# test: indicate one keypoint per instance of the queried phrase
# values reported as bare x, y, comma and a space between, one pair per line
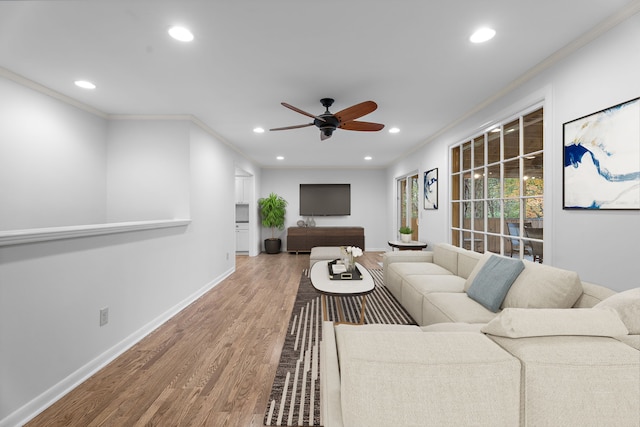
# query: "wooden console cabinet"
302, 239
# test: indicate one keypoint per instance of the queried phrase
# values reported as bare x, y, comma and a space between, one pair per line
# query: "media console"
302, 239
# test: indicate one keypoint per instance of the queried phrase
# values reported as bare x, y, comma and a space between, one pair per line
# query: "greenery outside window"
497, 189
408, 199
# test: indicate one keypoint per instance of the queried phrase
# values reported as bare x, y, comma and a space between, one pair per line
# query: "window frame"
470, 201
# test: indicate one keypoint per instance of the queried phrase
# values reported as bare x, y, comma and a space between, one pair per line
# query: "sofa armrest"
330, 406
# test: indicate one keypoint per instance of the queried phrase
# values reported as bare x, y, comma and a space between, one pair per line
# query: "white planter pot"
406, 238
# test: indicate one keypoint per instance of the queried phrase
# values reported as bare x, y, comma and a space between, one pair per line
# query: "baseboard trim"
59, 390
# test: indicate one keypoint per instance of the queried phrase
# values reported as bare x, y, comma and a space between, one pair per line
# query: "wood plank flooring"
211, 365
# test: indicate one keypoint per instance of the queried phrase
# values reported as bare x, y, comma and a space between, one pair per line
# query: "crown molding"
17, 78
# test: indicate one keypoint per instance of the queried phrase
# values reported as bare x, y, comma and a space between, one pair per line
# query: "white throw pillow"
541, 322
627, 304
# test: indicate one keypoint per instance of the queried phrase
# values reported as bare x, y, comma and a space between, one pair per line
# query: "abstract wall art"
602, 159
431, 189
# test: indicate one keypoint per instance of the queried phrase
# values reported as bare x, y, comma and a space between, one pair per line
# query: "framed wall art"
431, 189
602, 159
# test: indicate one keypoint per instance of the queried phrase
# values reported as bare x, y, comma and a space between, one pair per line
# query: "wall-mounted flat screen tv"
325, 199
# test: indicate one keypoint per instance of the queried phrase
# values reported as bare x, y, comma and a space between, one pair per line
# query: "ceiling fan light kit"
344, 119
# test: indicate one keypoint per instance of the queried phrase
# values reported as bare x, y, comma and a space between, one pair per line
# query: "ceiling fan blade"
361, 126
293, 127
297, 110
356, 111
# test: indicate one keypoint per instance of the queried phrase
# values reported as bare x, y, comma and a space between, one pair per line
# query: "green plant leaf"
272, 212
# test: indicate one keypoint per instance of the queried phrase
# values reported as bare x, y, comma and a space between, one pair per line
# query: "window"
497, 189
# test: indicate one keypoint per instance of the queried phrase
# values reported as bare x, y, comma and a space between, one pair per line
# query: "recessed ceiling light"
394, 130
368, 158
180, 33
84, 84
280, 157
482, 35
258, 130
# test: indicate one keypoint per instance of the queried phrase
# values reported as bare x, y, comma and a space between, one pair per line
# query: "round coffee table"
413, 245
321, 281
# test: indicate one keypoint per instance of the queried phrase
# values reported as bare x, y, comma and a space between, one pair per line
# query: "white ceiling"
411, 57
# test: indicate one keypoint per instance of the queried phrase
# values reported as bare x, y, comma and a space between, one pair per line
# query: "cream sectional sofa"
384, 375
573, 360
432, 285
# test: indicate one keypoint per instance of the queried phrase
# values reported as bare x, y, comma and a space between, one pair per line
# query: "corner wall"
600, 245
51, 292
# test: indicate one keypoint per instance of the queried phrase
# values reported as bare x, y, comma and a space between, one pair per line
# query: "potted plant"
272, 210
405, 234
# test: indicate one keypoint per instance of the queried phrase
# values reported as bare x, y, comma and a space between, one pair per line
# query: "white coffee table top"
322, 283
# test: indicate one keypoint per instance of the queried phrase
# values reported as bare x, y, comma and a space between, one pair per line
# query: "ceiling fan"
345, 119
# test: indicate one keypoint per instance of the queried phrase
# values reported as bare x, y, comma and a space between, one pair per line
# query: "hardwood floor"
211, 365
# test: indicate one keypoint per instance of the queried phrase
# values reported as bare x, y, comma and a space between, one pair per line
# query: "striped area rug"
295, 394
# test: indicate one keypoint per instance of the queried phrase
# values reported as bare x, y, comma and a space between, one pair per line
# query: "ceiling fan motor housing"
345, 119
329, 125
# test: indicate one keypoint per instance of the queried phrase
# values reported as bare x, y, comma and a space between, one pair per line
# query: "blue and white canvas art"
602, 159
431, 189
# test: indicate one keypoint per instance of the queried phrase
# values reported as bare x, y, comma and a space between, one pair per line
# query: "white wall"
212, 204
602, 246
52, 161
51, 292
147, 170
368, 195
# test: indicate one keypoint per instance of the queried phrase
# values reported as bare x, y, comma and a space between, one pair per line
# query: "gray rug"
295, 394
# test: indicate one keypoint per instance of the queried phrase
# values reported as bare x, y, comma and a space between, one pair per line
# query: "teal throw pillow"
493, 281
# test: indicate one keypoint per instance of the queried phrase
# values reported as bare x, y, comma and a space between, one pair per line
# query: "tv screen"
325, 199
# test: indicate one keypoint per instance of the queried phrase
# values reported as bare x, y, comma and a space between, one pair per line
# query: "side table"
413, 245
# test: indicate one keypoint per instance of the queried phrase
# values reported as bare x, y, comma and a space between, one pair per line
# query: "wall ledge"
33, 235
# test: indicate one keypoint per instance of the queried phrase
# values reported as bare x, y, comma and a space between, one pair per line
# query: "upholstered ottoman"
324, 253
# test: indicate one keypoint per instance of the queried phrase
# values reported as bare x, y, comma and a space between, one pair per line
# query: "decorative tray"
336, 271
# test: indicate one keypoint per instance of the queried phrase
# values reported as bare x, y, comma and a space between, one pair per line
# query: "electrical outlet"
104, 316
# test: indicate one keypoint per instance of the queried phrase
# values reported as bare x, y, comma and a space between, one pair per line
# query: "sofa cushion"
627, 305
493, 281
406, 268
414, 287
577, 380
632, 340
592, 294
397, 271
467, 261
442, 307
446, 256
453, 327
404, 379
540, 322
543, 286
426, 283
